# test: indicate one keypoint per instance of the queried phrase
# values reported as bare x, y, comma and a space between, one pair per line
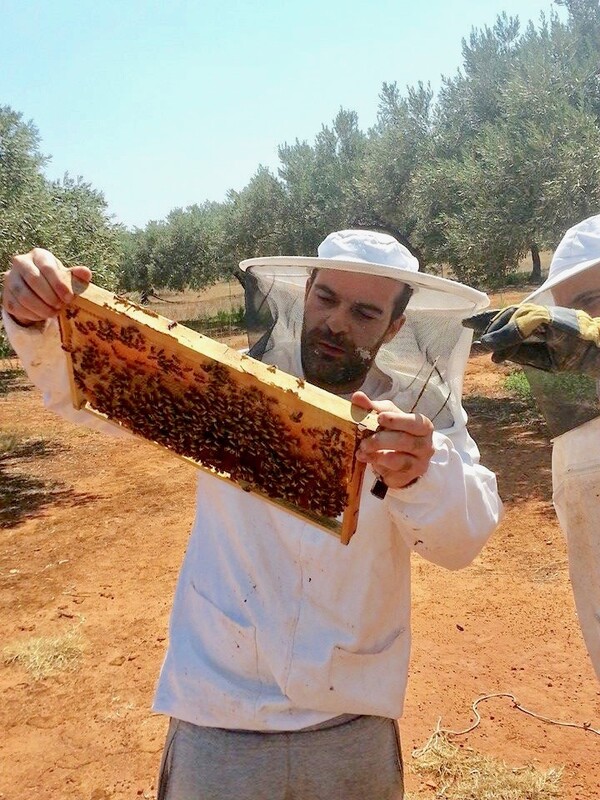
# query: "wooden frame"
244, 421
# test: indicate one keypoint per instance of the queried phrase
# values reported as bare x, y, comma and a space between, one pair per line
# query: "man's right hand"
38, 286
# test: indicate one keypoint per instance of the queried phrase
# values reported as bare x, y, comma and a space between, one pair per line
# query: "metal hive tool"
268, 432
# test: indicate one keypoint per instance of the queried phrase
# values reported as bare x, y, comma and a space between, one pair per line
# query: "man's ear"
394, 327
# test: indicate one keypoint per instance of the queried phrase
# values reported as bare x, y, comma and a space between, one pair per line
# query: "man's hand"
38, 286
550, 338
402, 448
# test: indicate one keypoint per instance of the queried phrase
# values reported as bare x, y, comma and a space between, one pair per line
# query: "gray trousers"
355, 760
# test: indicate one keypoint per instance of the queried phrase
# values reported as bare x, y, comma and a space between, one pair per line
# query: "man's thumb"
83, 273
361, 400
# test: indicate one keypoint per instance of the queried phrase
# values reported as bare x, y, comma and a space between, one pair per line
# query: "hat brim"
430, 291
563, 276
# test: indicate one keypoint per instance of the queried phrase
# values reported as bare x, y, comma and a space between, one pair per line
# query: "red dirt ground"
92, 533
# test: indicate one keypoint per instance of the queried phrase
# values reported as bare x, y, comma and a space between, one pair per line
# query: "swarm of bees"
264, 430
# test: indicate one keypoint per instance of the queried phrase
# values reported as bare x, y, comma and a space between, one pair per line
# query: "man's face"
347, 317
581, 291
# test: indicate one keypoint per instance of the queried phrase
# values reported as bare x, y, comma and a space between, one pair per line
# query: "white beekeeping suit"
275, 626
574, 281
576, 495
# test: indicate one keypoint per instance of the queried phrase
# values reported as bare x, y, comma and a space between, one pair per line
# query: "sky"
164, 104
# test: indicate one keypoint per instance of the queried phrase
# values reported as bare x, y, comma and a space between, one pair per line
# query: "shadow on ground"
23, 496
513, 440
13, 380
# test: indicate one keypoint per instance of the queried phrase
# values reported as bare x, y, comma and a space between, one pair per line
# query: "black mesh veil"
567, 400
421, 368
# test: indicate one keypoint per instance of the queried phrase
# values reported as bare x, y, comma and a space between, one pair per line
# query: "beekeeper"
288, 653
556, 332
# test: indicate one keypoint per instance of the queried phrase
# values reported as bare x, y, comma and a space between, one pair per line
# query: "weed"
517, 384
8, 444
46, 655
465, 774
233, 318
6, 350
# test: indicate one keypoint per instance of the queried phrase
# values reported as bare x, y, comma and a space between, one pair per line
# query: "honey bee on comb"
264, 430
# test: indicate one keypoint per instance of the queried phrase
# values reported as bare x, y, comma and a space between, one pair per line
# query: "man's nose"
338, 320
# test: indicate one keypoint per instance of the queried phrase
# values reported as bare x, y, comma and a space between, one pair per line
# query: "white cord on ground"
439, 731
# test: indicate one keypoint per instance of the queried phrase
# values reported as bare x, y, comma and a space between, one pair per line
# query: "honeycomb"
245, 421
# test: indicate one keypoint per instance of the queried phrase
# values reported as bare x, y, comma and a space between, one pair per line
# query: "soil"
92, 534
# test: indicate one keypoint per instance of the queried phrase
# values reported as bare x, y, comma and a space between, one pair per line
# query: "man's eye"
326, 299
364, 315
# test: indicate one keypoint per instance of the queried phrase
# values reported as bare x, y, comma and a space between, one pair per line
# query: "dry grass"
46, 655
550, 571
223, 297
458, 774
8, 443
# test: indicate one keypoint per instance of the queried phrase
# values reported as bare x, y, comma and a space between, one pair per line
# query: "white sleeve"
448, 515
43, 359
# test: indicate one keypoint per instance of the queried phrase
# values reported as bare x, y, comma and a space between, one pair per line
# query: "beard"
345, 366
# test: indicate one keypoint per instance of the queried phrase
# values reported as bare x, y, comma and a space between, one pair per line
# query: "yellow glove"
550, 338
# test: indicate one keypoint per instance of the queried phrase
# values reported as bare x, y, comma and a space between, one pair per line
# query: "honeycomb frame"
250, 423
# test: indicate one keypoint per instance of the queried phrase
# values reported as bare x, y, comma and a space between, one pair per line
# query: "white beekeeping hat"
432, 346
578, 250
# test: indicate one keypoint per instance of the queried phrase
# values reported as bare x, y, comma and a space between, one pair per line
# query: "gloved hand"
550, 338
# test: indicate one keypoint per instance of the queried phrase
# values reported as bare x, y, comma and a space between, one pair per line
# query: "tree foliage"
513, 160
498, 164
68, 216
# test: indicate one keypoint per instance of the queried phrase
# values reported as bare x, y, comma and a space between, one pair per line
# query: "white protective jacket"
576, 488
275, 625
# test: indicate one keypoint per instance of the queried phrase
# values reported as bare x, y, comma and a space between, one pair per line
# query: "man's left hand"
402, 448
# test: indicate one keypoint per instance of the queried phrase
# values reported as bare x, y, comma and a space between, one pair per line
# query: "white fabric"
576, 486
368, 247
578, 250
275, 625
576, 454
